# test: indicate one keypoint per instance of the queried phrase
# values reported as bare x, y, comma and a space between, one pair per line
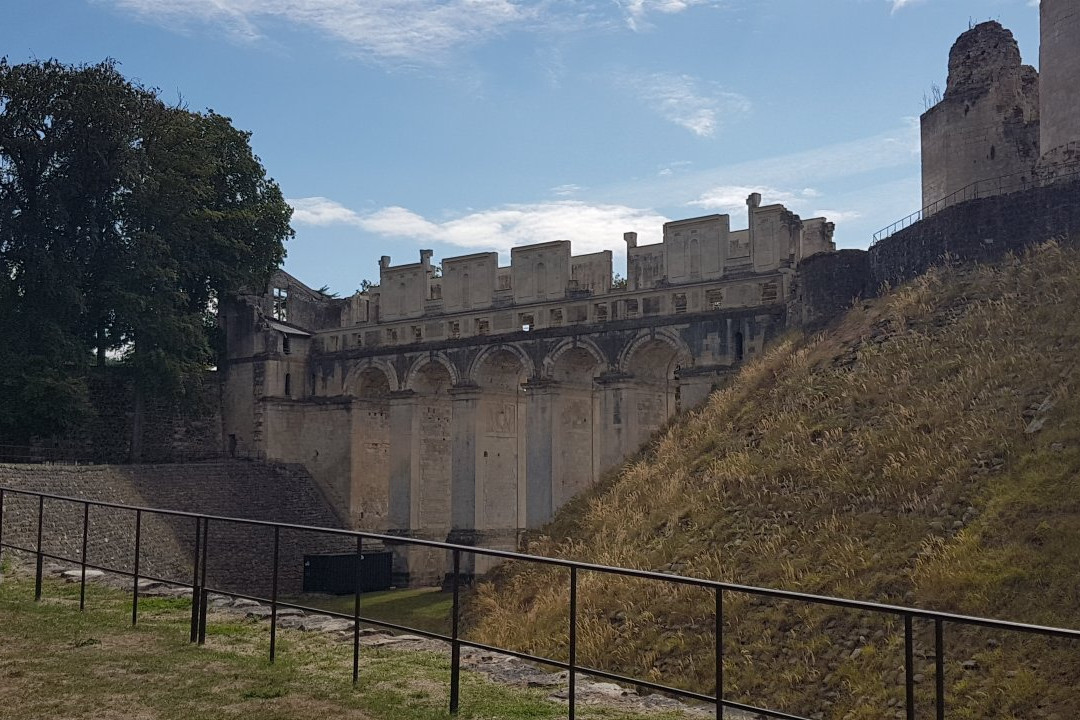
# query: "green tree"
122, 221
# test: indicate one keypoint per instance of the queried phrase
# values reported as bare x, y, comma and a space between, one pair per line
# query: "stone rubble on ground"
501, 668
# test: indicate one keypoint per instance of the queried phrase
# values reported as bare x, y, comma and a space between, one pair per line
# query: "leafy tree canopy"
122, 221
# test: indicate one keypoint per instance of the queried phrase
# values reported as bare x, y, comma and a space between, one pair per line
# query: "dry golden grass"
885, 460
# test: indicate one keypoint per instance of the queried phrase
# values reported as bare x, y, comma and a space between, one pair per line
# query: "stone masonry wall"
239, 557
980, 230
170, 433
827, 284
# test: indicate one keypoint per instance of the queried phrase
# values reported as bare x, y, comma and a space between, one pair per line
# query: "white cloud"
390, 30
839, 216
567, 190
321, 211
591, 227
901, 4
686, 101
638, 10
732, 198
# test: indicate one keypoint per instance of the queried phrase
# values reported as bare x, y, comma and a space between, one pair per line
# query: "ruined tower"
987, 124
1059, 60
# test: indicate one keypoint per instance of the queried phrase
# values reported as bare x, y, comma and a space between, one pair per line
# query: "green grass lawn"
57, 662
422, 609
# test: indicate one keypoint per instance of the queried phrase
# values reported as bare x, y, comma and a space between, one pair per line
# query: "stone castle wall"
1060, 80
170, 433
987, 124
239, 556
982, 230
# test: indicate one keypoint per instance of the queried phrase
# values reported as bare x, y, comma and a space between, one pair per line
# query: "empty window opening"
527, 321
715, 298
417, 333
286, 344
391, 335
281, 301
454, 329
739, 350
483, 326
601, 310
679, 301
556, 317
288, 385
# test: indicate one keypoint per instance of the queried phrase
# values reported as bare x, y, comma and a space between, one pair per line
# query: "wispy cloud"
390, 30
898, 5
565, 191
402, 31
637, 11
731, 199
698, 106
591, 227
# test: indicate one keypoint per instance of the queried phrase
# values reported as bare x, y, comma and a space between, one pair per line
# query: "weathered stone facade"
1002, 126
1059, 59
473, 404
987, 124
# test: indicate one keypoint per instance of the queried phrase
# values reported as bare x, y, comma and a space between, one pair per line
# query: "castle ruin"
471, 406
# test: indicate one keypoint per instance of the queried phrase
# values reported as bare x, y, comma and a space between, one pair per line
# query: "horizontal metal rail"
201, 591
990, 187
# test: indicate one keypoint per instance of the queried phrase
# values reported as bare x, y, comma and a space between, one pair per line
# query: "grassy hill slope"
925, 451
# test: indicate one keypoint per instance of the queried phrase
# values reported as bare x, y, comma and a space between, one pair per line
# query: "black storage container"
336, 574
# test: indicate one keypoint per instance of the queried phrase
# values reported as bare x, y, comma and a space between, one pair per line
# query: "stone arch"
430, 377
370, 378
653, 392
492, 362
370, 384
557, 360
666, 350
421, 363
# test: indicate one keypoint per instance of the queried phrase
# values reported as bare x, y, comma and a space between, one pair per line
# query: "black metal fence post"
273, 596
939, 666
40, 559
719, 653
455, 642
82, 556
135, 579
572, 671
196, 591
909, 669
356, 612
204, 593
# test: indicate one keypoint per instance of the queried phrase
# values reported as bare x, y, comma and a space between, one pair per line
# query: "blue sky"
474, 125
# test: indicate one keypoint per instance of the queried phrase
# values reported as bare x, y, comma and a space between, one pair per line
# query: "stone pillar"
465, 399
404, 462
539, 502
614, 429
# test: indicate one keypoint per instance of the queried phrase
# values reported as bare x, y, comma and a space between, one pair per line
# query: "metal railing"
201, 591
990, 187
